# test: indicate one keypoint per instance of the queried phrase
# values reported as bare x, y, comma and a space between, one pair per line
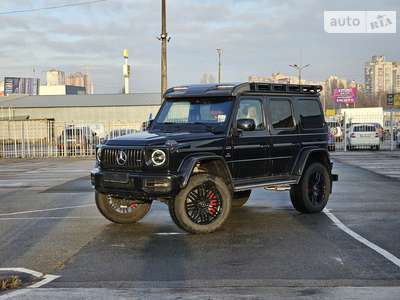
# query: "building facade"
382, 76
102, 113
61, 90
55, 77
81, 80
21, 86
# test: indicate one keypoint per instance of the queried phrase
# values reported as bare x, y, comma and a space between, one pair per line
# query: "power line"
10, 12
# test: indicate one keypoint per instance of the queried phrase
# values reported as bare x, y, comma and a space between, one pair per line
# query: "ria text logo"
360, 21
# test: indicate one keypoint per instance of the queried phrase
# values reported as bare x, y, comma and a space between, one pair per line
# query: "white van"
363, 136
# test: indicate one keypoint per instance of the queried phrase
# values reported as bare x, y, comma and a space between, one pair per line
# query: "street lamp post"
299, 68
219, 51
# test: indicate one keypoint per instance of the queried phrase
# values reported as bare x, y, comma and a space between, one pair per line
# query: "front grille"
134, 159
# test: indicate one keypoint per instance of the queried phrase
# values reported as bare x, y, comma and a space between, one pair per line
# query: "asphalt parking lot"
49, 223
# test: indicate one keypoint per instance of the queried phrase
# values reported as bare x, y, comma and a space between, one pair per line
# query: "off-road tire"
172, 214
300, 194
240, 198
178, 206
111, 214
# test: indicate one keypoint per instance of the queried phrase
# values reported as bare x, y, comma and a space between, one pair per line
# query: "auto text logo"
360, 21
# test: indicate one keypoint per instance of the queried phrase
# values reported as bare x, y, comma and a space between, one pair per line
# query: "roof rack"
286, 88
234, 89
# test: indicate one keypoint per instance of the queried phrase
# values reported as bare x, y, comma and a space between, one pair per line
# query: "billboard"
396, 102
393, 100
25, 86
345, 96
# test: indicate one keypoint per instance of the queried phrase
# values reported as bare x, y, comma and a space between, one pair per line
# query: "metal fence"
48, 138
354, 132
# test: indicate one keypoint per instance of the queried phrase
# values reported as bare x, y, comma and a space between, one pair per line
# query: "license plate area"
116, 177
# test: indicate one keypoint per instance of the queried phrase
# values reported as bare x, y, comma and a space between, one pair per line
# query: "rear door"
284, 132
312, 126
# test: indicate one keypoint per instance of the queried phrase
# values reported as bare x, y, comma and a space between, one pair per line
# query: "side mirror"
147, 125
246, 124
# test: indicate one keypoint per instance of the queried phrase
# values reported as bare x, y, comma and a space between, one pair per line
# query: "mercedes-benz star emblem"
121, 158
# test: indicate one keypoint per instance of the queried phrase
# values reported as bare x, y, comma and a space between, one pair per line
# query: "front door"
250, 148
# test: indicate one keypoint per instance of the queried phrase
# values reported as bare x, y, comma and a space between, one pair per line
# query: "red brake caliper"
134, 205
212, 207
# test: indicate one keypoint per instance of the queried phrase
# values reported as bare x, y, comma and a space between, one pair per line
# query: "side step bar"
277, 185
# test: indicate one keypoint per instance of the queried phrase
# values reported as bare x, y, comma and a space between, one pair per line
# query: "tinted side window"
310, 114
252, 109
281, 114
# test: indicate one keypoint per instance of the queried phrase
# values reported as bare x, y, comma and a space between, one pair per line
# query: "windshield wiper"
210, 128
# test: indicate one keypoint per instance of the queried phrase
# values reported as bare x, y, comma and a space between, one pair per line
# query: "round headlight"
158, 157
98, 154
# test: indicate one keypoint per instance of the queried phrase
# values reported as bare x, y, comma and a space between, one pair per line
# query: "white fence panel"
47, 138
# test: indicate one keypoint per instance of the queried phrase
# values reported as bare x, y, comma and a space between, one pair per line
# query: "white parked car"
363, 136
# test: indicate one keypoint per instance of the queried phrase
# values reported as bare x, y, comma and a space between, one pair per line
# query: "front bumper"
134, 185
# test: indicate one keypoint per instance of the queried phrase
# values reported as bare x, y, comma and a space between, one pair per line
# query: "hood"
146, 138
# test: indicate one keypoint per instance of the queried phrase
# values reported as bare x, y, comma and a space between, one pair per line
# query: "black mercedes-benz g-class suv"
209, 145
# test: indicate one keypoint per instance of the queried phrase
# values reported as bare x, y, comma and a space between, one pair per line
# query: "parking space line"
45, 279
389, 256
51, 218
45, 210
23, 270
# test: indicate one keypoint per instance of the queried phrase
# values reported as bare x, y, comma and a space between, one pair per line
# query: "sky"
259, 37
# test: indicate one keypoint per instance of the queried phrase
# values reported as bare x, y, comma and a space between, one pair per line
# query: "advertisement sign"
390, 99
345, 96
396, 102
393, 100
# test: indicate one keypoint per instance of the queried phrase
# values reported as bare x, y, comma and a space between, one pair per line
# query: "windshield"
194, 114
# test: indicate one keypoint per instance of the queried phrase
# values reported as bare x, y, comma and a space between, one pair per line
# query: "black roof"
234, 89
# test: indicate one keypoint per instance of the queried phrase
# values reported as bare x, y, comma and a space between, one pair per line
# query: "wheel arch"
309, 155
214, 164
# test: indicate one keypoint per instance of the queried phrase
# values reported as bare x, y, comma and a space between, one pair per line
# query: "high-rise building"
21, 86
80, 79
334, 82
396, 77
381, 76
55, 77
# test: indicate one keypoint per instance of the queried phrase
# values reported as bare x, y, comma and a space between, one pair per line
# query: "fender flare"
303, 158
186, 168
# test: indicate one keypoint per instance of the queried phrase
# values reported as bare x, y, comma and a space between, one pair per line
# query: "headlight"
158, 158
98, 154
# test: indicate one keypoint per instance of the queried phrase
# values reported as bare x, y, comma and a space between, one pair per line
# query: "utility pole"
219, 51
299, 68
164, 41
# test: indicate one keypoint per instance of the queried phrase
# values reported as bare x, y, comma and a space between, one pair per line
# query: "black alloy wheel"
120, 210
204, 203
316, 188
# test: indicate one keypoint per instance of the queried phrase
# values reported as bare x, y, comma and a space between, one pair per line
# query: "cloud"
258, 37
